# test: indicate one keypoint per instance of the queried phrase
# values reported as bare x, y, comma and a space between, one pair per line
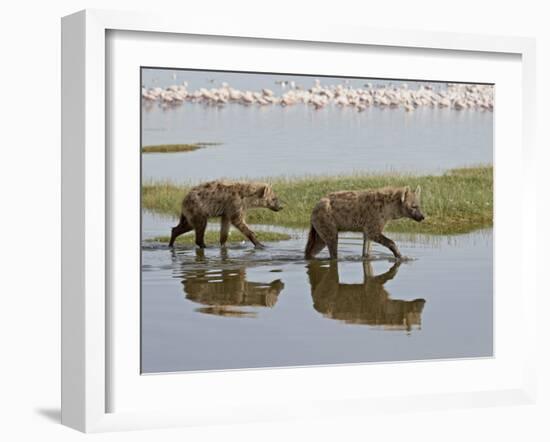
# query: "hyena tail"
314, 243
180, 229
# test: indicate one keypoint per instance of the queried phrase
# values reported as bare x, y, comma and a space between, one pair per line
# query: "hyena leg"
318, 245
314, 243
366, 245
180, 229
386, 242
199, 223
240, 224
329, 234
224, 230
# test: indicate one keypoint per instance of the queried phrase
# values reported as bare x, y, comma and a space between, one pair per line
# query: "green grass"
459, 201
170, 148
213, 237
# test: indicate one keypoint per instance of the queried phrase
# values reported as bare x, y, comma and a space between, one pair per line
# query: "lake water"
299, 140
196, 79
264, 142
243, 308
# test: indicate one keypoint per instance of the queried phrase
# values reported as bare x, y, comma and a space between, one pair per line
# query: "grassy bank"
170, 148
213, 237
458, 201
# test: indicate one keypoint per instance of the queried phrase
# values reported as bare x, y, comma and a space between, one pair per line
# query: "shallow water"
244, 308
260, 142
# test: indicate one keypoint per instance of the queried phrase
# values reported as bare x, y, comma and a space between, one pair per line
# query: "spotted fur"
228, 200
360, 211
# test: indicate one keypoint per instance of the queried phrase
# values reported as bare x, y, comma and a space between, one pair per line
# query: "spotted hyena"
228, 200
360, 211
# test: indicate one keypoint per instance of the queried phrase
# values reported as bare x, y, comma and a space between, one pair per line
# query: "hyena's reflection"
224, 292
366, 303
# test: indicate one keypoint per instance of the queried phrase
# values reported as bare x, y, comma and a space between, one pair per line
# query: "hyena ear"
418, 191
262, 192
404, 194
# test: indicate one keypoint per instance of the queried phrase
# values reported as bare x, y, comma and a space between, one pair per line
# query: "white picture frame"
85, 201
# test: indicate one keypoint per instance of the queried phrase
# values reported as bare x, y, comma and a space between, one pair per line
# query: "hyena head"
410, 204
267, 198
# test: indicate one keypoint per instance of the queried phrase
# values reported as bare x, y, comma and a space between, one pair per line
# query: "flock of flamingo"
453, 96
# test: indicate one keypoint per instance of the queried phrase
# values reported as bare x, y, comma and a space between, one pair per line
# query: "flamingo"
454, 96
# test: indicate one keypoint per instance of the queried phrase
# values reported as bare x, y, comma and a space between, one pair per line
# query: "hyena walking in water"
227, 199
360, 211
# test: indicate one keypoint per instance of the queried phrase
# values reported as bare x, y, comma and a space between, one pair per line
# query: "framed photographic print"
297, 169
262, 224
